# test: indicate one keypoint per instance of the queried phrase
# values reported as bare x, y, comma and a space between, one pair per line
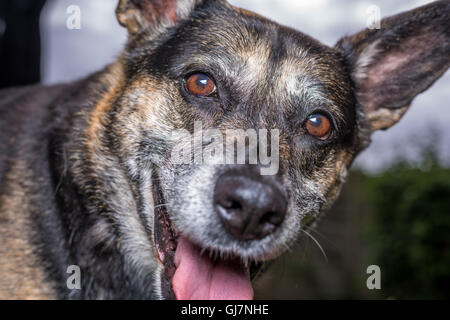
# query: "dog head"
203, 75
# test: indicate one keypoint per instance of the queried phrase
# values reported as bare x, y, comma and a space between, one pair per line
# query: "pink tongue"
199, 278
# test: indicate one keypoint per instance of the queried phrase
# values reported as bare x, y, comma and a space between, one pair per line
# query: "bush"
410, 230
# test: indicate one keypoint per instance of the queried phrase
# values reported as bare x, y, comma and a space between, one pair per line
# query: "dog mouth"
192, 272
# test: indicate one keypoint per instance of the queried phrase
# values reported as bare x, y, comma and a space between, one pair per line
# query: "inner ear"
154, 10
139, 15
395, 76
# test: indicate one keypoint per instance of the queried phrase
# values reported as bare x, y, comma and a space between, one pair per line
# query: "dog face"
192, 66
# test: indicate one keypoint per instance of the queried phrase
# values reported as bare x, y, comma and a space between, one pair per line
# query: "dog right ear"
391, 65
140, 15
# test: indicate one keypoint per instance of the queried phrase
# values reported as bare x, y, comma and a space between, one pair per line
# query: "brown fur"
23, 273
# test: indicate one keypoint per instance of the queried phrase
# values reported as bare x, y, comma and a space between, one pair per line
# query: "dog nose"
250, 206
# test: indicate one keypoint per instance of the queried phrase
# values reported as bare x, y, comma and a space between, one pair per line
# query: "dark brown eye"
319, 126
200, 84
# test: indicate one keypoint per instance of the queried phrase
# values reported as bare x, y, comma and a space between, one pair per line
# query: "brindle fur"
77, 160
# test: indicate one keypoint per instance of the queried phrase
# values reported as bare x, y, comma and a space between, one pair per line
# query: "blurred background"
394, 211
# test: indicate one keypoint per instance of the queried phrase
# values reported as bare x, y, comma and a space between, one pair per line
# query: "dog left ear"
139, 15
392, 65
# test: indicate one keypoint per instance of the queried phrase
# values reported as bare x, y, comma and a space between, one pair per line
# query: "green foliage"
410, 230
398, 219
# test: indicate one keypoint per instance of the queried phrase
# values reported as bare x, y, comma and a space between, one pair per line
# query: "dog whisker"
325, 238
317, 243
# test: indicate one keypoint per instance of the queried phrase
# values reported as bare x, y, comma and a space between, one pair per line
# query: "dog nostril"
268, 217
249, 207
232, 205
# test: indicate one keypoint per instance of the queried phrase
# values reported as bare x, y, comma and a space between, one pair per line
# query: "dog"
87, 171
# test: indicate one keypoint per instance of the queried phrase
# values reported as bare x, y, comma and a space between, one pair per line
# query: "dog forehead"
255, 48
255, 59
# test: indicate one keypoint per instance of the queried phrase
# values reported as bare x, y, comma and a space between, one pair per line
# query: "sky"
73, 54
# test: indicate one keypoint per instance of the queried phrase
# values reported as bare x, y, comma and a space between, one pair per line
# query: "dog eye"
200, 84
319, 126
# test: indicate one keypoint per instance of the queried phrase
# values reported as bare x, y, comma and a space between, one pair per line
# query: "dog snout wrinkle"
249, 206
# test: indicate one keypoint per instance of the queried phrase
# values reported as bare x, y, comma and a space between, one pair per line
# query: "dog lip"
165, 239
